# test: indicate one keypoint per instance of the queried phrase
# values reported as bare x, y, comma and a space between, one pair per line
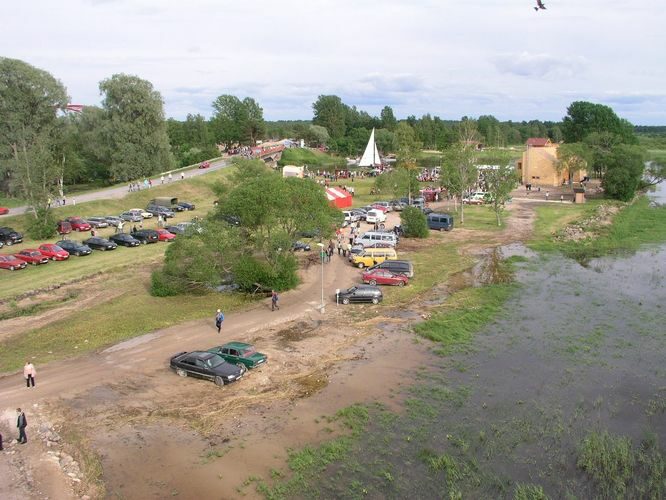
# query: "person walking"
29, 374
339, 247
21, 423
162, 179
1, 448
219, 318
170, 177
182, 176
274, 301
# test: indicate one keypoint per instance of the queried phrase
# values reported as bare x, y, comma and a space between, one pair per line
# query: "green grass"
635, 225
133, 313
463, 315
478, 218
311, 157
37, 307
11, 203
552, 218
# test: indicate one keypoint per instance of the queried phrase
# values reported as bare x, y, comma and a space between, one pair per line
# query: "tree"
253, 127
572, 158
459, 172
135, 131
316, 135
236, 121
584, 118
388, 118
330, 112
413, 222
29, 155
623, 172
401, 182
655, 172
500, 181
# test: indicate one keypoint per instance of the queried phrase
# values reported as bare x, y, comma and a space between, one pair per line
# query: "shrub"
43, 226
414, 223
163, 285
279, 276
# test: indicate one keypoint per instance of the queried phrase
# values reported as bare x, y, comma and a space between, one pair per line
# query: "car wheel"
360, 265
34, 263
181, 373
11, 268
375, 300
78, 254
442, 229
53, 258
9, 243
242, 367
345, 301
103, 249
219, 381
401, 283
372, 282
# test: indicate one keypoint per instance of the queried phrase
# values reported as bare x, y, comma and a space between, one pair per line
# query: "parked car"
360, 212
397, 205
131, 217
112, 220
78, 224
186, 205
53, 252
382, 205
143, 213
206, 365
375, 216
427, 210
32, 256
232, 220
74, 247
384, 277
97, 222
125, 240
240, 354
441, 222
165, 235
146, 236
97, 243
396, 267
371, 256
350, 216
477, 198
63, 227
204, 164
180, 228
360, 293
300, 245
160, 210
9, 237
4, 210
12, 263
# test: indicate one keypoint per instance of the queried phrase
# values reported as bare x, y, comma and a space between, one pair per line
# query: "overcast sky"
444, 57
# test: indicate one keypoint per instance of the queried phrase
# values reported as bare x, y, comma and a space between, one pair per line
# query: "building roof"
538, 141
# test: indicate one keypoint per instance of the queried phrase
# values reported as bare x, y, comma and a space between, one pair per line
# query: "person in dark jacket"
21, 423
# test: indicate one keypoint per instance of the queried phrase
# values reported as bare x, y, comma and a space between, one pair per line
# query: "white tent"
370, 156
293, 171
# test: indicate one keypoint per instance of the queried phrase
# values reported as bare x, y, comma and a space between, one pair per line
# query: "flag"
77, 108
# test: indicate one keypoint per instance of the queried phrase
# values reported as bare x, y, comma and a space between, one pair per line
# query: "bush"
163, 285
42, 227
414, 223
279, 276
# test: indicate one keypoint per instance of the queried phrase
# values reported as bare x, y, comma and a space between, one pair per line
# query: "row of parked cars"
221, 364
388, 272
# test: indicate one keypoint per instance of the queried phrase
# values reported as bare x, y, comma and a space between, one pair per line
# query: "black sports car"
124, 239
10, 237
98, 243
74, 247
206, 365
146, 235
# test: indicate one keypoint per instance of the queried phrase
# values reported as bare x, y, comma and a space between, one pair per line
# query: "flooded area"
577, 349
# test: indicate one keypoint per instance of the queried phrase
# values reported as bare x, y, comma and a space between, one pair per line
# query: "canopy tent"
338, 197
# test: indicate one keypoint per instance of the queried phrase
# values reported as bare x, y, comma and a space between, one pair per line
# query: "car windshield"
214, 361
249, 351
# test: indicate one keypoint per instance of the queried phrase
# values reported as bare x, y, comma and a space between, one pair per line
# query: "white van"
375, 216
372, 237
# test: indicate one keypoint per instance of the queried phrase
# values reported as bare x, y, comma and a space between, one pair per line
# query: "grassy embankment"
313, 158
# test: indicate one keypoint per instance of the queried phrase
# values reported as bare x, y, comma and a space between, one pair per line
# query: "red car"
10, 262
4, 210
384, 277
165, 235
32, 256
53, 252
380, 207
78, 224
204, 164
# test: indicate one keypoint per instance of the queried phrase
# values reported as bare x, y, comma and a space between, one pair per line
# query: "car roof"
237, 345
202, 355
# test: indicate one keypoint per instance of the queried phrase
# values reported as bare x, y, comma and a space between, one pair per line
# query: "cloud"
547, 66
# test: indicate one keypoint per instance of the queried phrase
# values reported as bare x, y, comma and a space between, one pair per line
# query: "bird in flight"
540, 5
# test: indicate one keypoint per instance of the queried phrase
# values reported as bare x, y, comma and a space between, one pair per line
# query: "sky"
447, 58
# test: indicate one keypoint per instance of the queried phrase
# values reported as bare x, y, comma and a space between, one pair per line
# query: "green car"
240, 353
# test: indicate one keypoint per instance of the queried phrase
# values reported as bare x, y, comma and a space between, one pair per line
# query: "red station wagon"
12, 263
78, 224
165, 235
32, 256
384, 277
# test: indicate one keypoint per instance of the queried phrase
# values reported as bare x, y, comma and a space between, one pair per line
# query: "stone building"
538, 165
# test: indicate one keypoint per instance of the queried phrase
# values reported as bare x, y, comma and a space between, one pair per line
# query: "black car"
186, 205
146, 236
360, 293
232, 220
124, 239
9, 237
180, 228
206, 365
98, 243
74, 247
97, 222
299, 245
159, 210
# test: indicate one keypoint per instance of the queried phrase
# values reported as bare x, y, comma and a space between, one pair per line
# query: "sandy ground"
158, 435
